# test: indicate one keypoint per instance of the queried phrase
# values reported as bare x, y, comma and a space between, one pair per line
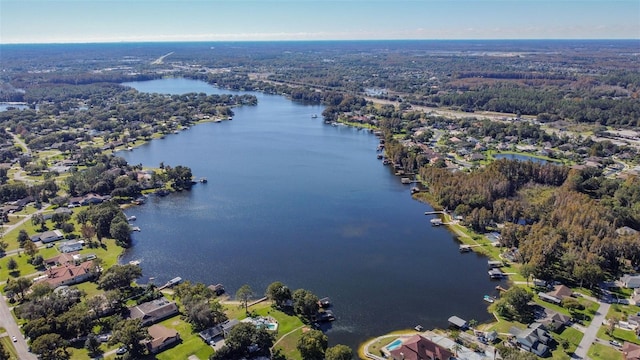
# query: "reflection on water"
290, 199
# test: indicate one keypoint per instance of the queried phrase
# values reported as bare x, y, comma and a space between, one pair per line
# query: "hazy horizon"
133, 21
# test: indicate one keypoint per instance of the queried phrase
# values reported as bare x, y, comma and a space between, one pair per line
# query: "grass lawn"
191, 343
622, 311
8, 344
619, 335
602, 352
90, 288
287, 346
376, 347
286, 324
572, 336
24, 268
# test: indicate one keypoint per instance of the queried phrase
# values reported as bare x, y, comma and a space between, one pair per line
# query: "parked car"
121, 350
615, 343
15, 339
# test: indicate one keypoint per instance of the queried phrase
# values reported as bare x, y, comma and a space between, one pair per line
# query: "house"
221, 330
630, 281
554, 320
161, 338
418, 347
60, 259
70, 246
68, 274
560, 292
48, 236
634, 320
631, 351
153, 311
549, 298
534, 339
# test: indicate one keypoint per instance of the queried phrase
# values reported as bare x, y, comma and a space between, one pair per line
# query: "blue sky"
61, 21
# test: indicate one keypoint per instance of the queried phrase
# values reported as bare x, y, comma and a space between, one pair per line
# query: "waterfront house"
153, 311
631, 351
534, 339
68, 274
221, 330
418, 347
161, 338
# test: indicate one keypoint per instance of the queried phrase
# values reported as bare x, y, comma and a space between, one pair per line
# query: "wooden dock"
435, 213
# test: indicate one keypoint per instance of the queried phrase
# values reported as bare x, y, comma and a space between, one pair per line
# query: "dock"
325, 302
496, 274
170, 283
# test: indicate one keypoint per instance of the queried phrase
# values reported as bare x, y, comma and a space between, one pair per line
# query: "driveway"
591, 331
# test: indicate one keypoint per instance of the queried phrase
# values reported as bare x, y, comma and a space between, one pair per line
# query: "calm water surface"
289, 198
521, 157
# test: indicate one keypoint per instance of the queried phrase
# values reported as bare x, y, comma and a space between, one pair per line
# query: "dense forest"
577, 81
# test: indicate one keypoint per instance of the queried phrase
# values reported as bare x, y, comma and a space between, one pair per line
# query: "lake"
292, 199
521, 157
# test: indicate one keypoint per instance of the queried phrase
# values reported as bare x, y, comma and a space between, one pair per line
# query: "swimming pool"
394, 345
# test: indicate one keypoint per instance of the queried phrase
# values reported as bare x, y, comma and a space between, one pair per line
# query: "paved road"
7, 322
590, 332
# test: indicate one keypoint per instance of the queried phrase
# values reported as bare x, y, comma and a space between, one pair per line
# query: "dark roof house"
221, 330
534, 339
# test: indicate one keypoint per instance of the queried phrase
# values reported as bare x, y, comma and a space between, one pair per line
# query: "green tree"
130, 334
312, 345
50, 347
240, 340
514, 303
22, 237
37, 219
119, 276
244, 294
121, 232
92, 345
527, 271
339, 352
4, 353
30, 248
305, 303
12, 264
18, 286
279, 293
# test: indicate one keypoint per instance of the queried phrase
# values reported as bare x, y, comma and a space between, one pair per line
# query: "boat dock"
170, 283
